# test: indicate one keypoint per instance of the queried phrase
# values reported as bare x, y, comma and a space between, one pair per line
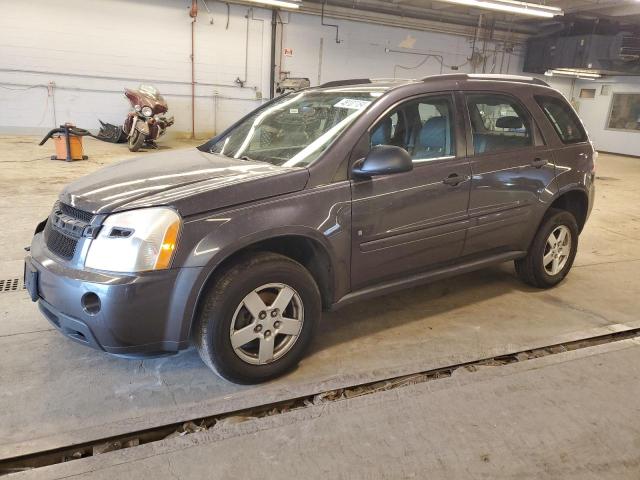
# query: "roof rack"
487, 76
360, 81
342, 83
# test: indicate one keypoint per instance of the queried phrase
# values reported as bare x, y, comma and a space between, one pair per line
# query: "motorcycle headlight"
135, 241
147, 112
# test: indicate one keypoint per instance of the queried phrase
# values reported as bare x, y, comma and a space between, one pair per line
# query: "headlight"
135, 241
147, 112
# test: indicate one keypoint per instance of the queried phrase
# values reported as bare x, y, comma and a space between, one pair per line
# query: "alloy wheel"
267, 323
557, 250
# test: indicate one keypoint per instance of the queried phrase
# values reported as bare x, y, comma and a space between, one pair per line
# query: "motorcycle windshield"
151, 92
147, 95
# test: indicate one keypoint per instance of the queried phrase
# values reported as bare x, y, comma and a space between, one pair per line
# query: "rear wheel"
136, 140
258, 318
552, 251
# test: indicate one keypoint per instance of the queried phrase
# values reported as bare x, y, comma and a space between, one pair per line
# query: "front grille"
60, 244
75, 212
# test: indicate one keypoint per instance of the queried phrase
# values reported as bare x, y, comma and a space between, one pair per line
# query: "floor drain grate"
10, 285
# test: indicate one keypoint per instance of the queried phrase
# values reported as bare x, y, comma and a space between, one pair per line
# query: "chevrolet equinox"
316, 199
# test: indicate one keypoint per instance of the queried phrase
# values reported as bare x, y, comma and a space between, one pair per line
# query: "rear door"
511, 167
407, 222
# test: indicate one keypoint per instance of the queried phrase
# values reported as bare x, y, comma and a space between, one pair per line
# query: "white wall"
595, 112
77, 43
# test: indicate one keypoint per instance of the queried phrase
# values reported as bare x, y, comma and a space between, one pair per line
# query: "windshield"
150, 90
296, 129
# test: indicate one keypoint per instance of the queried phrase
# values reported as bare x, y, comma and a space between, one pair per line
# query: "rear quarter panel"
574, 162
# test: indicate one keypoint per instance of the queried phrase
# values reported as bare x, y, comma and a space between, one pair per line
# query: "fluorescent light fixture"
511, 6
279, 3
572, 72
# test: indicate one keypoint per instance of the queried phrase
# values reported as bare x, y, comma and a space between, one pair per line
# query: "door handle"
454, 179
539, 162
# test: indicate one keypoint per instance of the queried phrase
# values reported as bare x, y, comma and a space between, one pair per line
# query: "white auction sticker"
352, 103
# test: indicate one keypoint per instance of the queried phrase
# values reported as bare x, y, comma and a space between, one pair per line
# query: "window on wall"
564, 120
423, 127
587, 93
624, 113
498, 123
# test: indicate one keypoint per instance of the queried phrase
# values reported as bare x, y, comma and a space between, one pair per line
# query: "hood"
189, 180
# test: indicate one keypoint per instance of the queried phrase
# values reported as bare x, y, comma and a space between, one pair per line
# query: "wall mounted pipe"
415, 67
322, 22
193, 13
123, 79
272, 59
242, 82
105, 90
437, 56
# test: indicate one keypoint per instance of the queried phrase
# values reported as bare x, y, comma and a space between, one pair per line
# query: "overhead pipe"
382, 14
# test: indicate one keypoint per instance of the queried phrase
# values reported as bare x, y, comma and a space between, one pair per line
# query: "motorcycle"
146, 122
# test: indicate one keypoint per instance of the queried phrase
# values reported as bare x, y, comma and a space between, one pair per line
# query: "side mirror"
383, 160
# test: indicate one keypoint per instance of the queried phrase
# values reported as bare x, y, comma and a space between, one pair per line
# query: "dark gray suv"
316, 199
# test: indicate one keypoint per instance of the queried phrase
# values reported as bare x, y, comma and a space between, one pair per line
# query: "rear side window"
497, 123
563, 119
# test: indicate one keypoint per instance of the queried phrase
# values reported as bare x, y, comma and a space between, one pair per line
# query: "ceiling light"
511, 6
572, 72
537, 6
279, 3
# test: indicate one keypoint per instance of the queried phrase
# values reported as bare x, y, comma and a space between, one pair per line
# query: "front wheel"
552, 251
136, 140
258, 318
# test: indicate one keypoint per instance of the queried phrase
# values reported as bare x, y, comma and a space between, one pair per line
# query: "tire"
225, 311
536, 269
136, 141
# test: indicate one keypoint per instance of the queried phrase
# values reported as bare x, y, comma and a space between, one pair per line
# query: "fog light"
90, 303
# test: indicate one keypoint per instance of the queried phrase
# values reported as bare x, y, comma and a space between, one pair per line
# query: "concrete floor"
567, 416
55, 392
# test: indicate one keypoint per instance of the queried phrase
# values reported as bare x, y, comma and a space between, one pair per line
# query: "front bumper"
139, 314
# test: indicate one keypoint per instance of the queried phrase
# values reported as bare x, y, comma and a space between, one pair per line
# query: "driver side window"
423, 127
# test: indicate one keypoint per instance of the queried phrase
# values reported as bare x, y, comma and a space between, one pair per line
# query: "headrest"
509, 122
433, 133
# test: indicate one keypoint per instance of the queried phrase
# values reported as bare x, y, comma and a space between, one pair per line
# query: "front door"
511, 169
408, 222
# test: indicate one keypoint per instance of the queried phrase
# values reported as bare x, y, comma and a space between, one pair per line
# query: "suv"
317, 199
